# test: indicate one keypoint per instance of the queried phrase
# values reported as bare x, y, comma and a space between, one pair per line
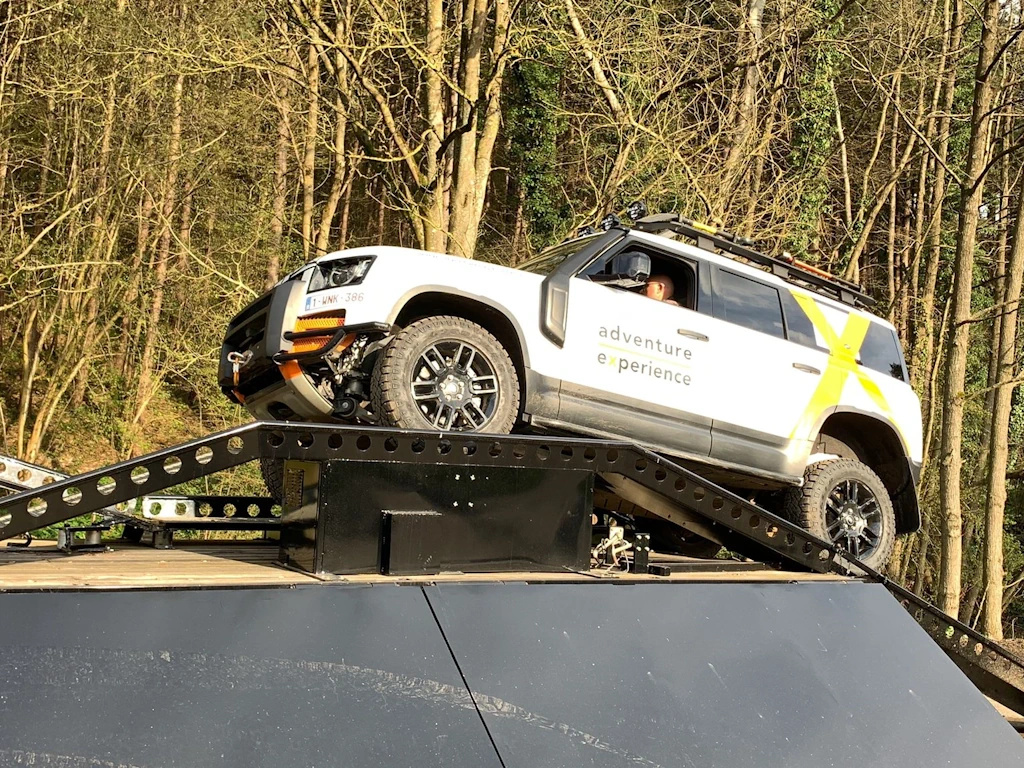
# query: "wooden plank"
229, 563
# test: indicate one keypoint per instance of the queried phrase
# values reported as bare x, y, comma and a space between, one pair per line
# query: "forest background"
163, 161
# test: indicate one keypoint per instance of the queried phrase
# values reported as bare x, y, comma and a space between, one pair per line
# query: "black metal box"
348, 517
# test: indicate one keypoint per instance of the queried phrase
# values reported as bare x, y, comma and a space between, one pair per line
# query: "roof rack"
788, 268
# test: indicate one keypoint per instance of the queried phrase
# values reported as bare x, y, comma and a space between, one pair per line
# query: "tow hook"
238, 361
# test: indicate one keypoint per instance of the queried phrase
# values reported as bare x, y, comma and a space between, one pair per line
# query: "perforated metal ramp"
486, 674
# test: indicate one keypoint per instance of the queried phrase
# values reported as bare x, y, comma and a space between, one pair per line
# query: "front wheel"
446, 373
843, 501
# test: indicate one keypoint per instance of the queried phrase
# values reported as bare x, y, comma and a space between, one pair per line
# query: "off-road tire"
390, 389
805, 506
273, 477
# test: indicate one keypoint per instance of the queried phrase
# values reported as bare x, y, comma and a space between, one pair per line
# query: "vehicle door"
636, 367
771, 363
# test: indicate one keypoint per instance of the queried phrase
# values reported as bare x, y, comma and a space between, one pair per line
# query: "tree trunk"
146, 384
312, 122
435, 237
958, 334
995, 502
746, 107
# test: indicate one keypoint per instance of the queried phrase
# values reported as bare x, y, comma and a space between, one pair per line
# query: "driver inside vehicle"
660, 288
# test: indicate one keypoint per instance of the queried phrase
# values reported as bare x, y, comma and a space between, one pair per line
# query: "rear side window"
749, 303
799, 327
881, 352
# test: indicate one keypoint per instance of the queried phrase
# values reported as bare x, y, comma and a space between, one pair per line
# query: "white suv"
767, 375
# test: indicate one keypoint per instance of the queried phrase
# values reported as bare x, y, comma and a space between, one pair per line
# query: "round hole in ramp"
444, 447
612, 456
363, 442
253, 510
172, 464
106, 485
155, 509
36, 506
641, 465
718, 502
139, 475
204, 454
230, 510
660, 475
3, 467
754, 521
390, 445
698, 493
205, 509
469, 449
180, 508
5, 519
24, 475
790, 539
71, 496
418, 446
566, 452
963, 641
519, 451
771, 530
808, 547
978, 648
495, 450
48, 479
235, 445
680, 484
276, 439
276, 510
543, 452
823, 555
305, 440
335, 441
589, 454
736, 512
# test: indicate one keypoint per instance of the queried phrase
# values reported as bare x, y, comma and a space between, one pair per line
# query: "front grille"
248, 328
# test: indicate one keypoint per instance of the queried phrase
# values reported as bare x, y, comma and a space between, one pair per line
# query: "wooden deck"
254, 563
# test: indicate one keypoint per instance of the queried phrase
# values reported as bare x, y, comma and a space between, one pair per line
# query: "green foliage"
534, 124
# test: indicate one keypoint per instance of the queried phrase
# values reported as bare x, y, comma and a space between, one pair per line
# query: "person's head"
659, 288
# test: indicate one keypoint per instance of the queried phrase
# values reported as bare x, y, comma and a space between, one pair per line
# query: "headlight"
335, 274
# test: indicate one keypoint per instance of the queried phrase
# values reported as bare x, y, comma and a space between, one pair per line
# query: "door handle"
807, 368
692, 335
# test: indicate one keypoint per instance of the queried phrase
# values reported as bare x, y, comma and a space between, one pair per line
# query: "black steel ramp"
475, 674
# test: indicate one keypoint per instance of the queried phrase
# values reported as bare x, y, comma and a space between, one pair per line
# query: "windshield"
545, 262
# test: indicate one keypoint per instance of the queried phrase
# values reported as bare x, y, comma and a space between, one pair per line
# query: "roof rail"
711, 238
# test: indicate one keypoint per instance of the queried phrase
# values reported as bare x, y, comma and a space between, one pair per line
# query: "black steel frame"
991, 667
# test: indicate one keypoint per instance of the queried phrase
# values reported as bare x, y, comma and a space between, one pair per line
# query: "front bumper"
281, 354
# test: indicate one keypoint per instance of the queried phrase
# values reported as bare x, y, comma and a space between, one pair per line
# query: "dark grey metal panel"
796, 675
484, 518
317, 676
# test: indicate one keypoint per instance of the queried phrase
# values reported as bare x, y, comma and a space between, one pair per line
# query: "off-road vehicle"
769, 376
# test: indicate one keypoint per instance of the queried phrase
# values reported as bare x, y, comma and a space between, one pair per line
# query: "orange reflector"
316, 323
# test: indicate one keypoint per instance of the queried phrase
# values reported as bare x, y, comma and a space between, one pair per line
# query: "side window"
677, 276
749, 303
881, 352
799, 327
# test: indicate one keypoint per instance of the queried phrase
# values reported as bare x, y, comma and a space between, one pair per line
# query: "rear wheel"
446, 373
843, 501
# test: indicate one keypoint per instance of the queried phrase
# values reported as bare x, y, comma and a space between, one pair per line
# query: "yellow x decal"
842, 362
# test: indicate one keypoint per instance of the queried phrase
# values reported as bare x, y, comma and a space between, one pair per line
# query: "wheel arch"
875, 442
433, 301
